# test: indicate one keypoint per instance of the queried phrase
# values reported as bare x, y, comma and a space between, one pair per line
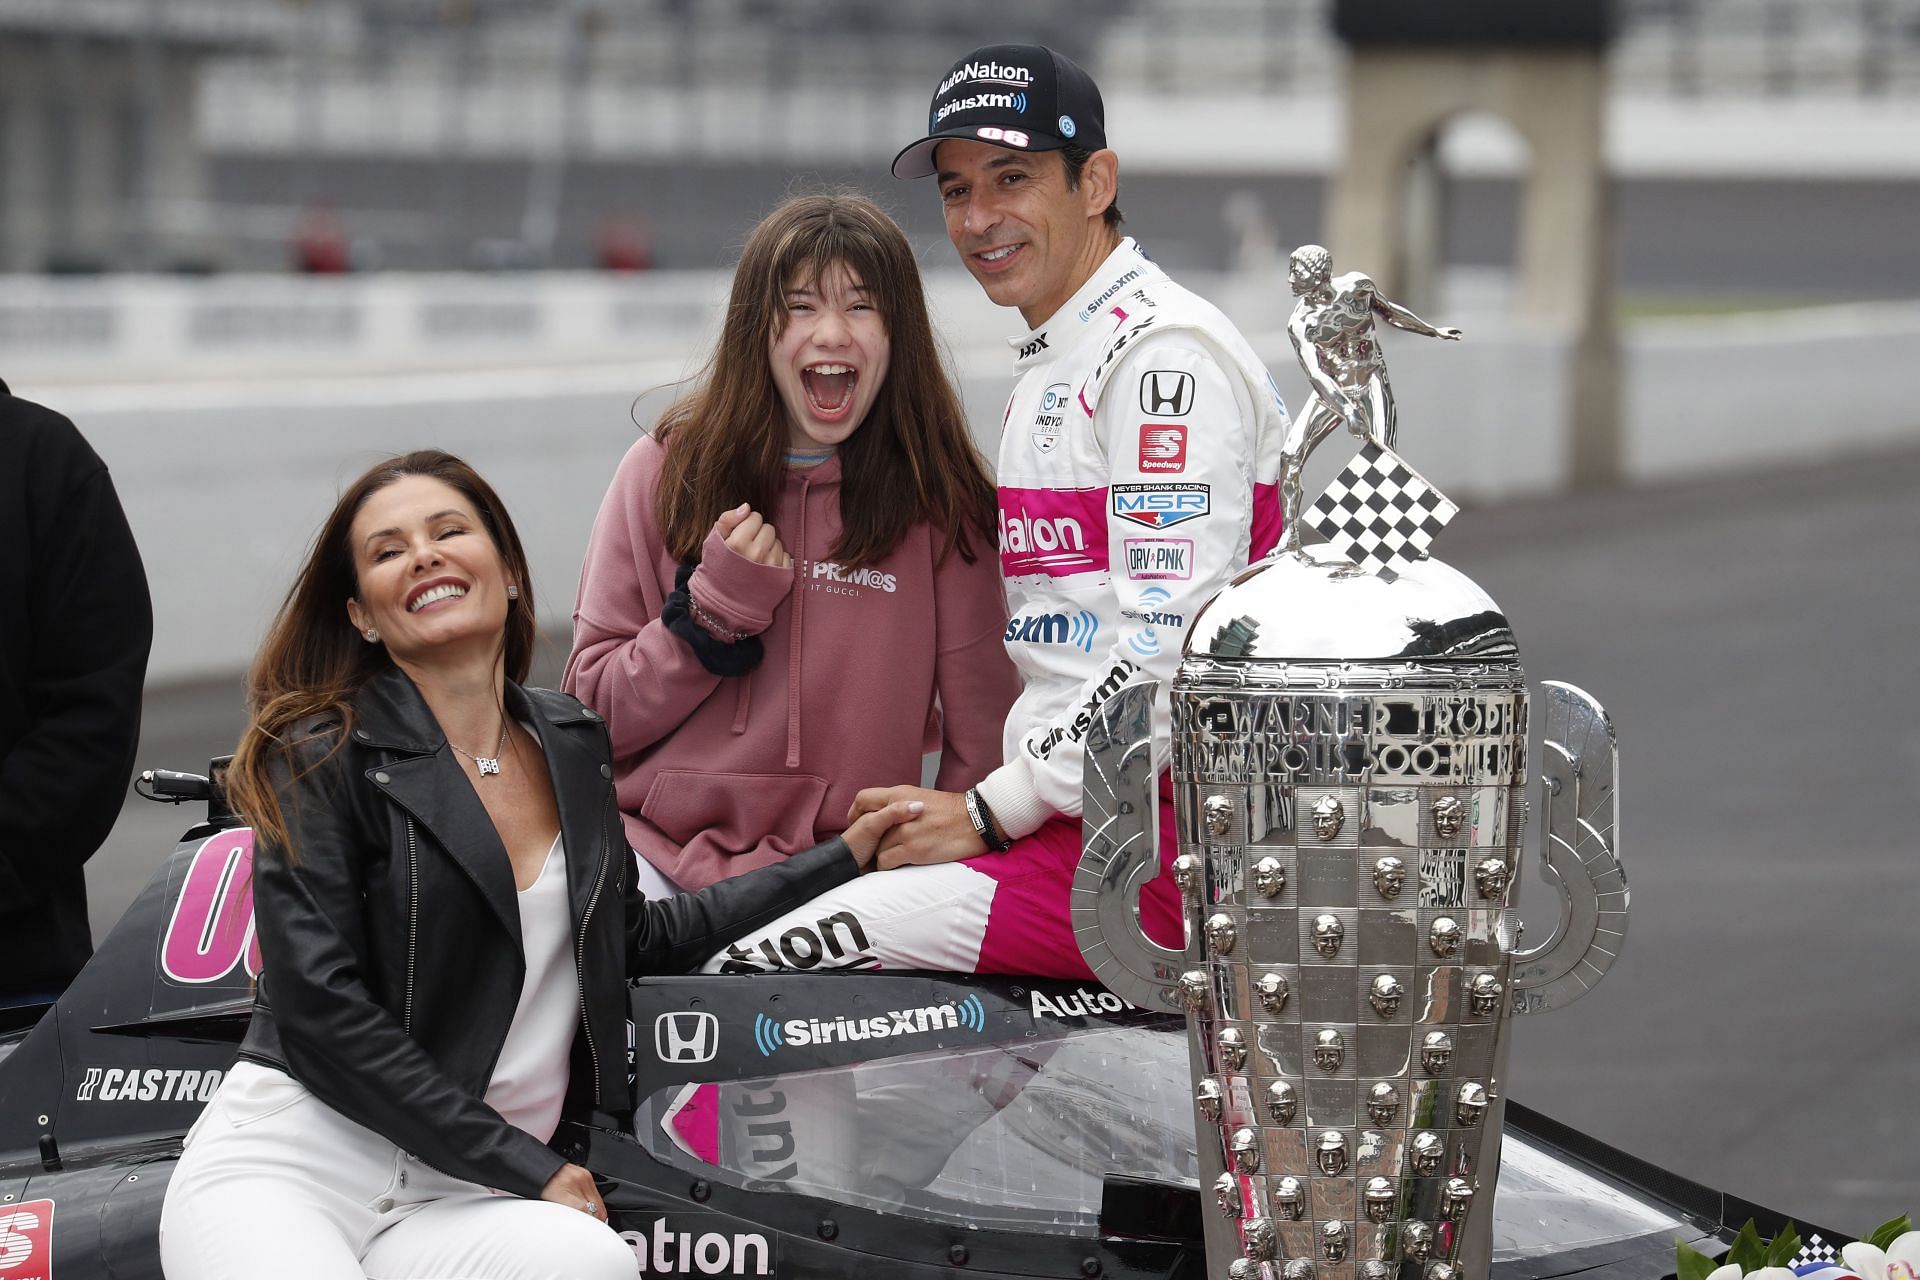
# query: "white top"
530, 1080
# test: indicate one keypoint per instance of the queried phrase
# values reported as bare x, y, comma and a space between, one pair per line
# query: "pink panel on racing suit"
1056, 532
1028, 929
1269, 520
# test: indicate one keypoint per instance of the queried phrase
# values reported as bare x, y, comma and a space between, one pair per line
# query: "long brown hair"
911, 460
313, 661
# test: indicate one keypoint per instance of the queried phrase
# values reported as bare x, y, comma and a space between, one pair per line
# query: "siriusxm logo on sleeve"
1076, 629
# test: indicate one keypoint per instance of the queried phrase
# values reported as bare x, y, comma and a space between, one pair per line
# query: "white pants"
275, 1182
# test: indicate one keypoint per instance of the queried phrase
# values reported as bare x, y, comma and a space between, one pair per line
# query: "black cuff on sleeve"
722, 659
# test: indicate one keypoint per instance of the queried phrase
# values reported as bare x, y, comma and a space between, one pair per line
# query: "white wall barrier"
231, 411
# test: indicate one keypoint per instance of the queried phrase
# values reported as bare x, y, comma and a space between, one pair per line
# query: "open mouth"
998, 259
830, 388
434, 593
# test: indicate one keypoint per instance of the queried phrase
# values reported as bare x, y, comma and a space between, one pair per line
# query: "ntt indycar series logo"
968, 1014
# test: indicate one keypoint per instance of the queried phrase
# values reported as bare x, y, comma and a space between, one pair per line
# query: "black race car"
804, 1125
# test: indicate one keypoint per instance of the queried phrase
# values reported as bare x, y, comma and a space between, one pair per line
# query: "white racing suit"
1138, 473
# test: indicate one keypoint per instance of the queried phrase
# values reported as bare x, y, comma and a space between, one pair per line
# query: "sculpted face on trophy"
1383, 1103
1455, 1199
1379, 1199
1490, 877
1258, 1239
1471, 1105
1374, 1269
1232, 1043
1426, 1153
1329, 1050
1218, 812
1243, 1269
1328, 934
1449, 815
1333, 1240
1297, 1269
1220, 933
1186, 873
1445, 936
1274, 990
1385, 993
1416, 1238
1483, 995
1245, 1146
1281, 1102
1193, 989
1207, 1094
1329, 815
1226, 1194
1330, 1153
1269, 877
1389, 876
1436, 1052
1290, 1198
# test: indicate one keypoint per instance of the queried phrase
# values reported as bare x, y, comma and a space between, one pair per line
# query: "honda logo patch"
686, 1037
1166, 393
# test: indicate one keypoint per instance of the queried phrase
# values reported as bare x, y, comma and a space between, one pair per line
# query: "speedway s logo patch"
26, 1240
675, 1246
1163, 447
686, 1037
966, 1014
1161, 506
153, 1084
1166, 393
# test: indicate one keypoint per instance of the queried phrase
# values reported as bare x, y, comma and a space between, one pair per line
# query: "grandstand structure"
452, 133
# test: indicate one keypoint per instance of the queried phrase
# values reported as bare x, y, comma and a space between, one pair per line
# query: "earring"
513, 592
372, 634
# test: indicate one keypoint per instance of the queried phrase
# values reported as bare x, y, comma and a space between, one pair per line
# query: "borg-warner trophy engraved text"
1349, 767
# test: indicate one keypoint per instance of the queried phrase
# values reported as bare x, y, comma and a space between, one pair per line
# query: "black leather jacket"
391, 948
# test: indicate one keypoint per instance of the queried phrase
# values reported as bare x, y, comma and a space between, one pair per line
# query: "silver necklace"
488, 764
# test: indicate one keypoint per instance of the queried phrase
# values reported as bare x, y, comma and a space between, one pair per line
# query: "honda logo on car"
770, 1035
666, 1251
1160, 506
26, 1240
686, 1036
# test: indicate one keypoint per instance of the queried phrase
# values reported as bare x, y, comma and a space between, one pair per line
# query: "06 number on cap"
994, 133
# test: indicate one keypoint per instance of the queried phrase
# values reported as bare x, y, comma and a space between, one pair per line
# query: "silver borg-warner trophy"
1349, 760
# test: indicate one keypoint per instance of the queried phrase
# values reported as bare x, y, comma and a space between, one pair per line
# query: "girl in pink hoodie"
790, 592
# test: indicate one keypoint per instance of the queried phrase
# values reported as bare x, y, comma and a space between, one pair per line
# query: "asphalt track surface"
1753, 639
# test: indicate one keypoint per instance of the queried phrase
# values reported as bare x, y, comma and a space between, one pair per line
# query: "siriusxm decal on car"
210, 934
686, 1036
26, 1240
150, 1084
770, 1035
1163, 447
837, 941
1078, 1004
1161, 505
1051, 416
1166, 393
1150, 558
675, 1246
1076, 629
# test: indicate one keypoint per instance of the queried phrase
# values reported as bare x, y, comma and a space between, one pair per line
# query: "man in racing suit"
1137, 474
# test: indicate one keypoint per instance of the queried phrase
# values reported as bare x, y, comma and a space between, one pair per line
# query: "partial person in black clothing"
76, 623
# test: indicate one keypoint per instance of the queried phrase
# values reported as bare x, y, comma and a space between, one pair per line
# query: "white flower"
1899, 1261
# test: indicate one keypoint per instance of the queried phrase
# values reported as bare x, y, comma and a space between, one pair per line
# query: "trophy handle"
1580, 854
1120, 852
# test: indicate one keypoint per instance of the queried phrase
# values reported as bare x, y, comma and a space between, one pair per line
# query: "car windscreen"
1023, 1137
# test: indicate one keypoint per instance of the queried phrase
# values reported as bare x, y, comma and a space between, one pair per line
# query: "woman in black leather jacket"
447, 915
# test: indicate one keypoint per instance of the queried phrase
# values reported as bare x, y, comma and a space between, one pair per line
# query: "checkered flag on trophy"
1379, 512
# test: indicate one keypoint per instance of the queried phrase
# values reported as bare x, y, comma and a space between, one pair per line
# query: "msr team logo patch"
26, 1240
1163, 447
1161, 506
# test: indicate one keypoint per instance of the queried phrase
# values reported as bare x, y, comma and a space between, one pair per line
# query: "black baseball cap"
1022, 96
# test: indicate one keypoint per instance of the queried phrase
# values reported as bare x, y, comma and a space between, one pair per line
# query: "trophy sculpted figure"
1350, 760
